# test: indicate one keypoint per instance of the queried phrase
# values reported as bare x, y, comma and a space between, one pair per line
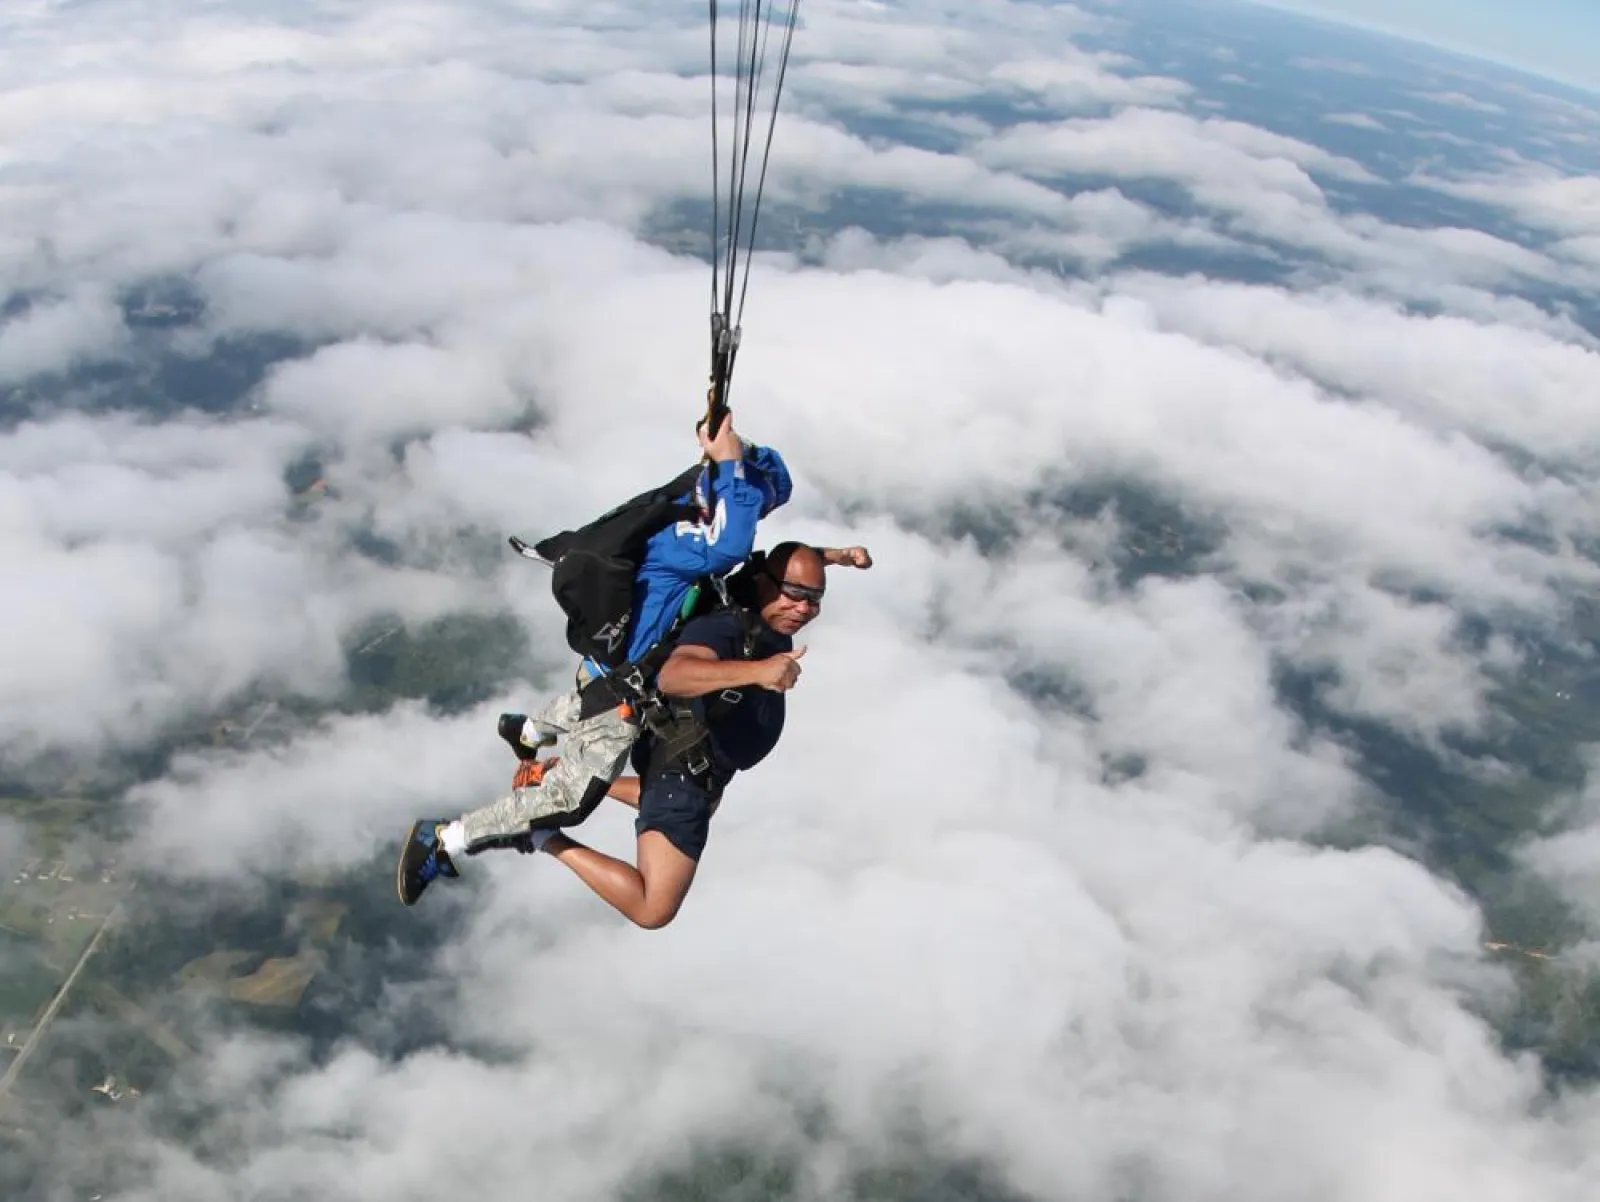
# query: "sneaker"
511, 727
421, 860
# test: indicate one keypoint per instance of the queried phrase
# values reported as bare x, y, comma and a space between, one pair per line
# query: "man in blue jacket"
747, 483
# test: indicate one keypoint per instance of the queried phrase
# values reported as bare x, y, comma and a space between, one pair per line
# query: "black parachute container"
594, 566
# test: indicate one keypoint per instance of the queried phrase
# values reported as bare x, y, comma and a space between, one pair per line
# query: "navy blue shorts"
678, 807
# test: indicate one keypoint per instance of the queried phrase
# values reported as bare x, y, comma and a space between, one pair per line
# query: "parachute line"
733, 236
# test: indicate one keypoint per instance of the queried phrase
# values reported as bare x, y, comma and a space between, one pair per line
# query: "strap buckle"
633, 681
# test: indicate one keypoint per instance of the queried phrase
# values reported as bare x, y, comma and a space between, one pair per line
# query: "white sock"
539, 839
453, 839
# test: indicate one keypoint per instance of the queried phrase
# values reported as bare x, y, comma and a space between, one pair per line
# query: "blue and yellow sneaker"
421, 860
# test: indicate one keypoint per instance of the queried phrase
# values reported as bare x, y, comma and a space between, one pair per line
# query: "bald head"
789, 587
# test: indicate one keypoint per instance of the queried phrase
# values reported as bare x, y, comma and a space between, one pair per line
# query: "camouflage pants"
596, 734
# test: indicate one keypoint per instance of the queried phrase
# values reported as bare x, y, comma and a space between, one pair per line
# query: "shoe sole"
400, 868
518, 748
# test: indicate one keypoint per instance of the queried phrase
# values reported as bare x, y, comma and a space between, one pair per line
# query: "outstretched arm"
845, 557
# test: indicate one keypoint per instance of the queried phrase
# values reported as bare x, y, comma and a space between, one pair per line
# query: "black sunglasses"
798, 592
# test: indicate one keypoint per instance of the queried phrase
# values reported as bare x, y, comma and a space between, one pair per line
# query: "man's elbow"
676, 680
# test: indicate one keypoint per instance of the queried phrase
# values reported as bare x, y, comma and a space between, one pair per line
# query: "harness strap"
683, 737
682, 741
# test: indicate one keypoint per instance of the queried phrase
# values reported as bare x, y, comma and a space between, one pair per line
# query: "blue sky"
1558, 38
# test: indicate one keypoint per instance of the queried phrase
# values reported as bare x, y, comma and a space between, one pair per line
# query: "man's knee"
660, 904
654, 917
666, 873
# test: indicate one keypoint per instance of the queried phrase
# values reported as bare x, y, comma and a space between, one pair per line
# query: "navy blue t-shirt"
745, 732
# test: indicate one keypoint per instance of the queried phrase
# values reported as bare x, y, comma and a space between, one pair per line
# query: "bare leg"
626, 790
648, 895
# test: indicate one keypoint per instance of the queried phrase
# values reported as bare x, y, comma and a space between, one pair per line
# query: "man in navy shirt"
729, 672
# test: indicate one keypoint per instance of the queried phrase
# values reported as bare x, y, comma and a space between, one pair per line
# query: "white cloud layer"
1356, 120
1567, 206
1041, 850
1571, 858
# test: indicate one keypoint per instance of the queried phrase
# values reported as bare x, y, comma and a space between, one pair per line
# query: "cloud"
1357, 120
1492, 380
1148, 142
1460, 100
1048, 845
52, 334
159, 570
1585, 249
993, 52
15, 847
1260, 188
1095, 229
1310, 487
1340, 66
1540, 197
1570, 858
377, 390
332, 791
1069, 83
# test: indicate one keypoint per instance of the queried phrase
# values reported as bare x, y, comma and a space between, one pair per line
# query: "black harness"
680, 738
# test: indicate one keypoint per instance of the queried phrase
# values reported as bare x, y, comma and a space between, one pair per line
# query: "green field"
25, 987
55, 824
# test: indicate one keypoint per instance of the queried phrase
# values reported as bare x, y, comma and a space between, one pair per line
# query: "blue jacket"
746, 490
